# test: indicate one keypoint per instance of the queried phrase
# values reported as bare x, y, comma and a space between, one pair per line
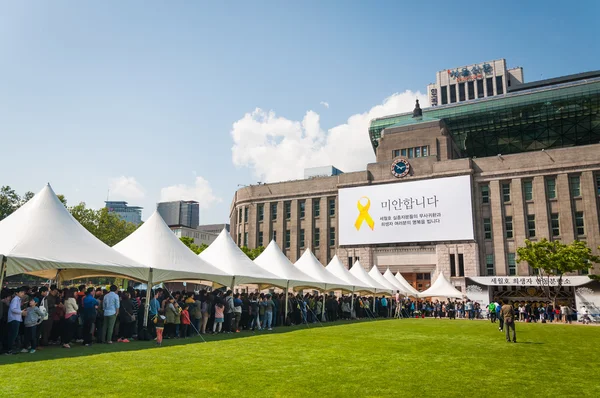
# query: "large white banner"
417, 211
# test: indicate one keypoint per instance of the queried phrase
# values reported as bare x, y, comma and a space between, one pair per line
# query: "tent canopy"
226, 256
441, 288
274, 261
411, 290
397, 285
376, 275
359, 272
156, 246
42, 237
309, 264
336, 267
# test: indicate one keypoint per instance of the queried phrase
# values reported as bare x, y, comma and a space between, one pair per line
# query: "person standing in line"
15, 317
110, 305
185, 321
237, 312
269, 306
88, 314
33, 318
229, 307
49, 301
219, 317
508, 317
71, 317
152, 313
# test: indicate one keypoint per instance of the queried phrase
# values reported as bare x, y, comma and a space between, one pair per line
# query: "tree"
27, 197
189, 242
62, 199
106, 226
253, 253
9, 201
555, 259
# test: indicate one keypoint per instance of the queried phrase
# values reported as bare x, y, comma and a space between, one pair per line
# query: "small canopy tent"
396, 283
441, 288
376, 275
43, 239
309, 265
359, 272
336, 267
274, 261
156, 246
412, 291
226, 256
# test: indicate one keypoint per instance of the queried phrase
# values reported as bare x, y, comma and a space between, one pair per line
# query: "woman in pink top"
218, 324
71, 323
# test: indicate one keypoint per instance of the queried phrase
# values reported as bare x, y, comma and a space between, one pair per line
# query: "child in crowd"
219, 318
33, 318
185, 321
159, 323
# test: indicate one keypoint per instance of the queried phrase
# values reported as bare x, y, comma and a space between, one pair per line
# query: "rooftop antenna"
107, 194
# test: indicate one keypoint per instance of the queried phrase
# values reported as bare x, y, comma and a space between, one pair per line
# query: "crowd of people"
32, 318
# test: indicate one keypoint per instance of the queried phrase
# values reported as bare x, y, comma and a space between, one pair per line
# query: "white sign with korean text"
417, 211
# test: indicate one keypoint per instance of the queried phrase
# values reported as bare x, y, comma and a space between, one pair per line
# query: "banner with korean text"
416, 211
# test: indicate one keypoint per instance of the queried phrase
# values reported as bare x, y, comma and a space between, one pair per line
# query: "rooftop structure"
132, 214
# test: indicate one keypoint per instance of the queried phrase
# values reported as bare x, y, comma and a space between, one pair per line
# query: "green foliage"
62, 199
556, 259
252, 253
189, 242
9, 201
106, 226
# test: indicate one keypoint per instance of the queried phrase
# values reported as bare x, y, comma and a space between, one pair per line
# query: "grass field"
416, 357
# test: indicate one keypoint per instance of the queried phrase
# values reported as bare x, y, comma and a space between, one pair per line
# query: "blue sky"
151, 97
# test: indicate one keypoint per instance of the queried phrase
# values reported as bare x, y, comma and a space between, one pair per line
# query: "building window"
410, 153
598, 184
461, 264
275, 235
246, 239
471, 90
444, 95
395, 153
489, 264
531, 225
512, 264
349, 261
499, 85
418, 152
490, 86
551, 188
301, 239
425, 151
317, 237
245, 214
480, 92
261, 212
332, 207
575, 183
506, 192
273, 211
579, 223
287, 208
240, 239
485, 194
555, 224
452, 93
487, 228
461, 91
240, 216
288, 238
317, 207
302, 205
331, 236
260, 239
403, 152
452, 265
528, 189
508, 227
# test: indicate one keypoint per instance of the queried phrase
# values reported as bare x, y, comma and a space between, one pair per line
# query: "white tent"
376, 275
396, 283
156, 246
336, 267
412, 291
274, 261
309, 264
358, 271
441, 288
226, 256
43, 239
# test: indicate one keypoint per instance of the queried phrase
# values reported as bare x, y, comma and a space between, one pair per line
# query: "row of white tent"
43, 239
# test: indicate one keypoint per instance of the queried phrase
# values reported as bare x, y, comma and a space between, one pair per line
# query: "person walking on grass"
508, 317
492, 312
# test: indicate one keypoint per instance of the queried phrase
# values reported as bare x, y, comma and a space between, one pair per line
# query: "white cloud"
126, 188
201, 192
325, 104
278, 149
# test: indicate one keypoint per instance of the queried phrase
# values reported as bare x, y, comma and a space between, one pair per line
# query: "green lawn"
377, 358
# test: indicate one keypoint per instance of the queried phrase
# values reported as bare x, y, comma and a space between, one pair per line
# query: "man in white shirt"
15, 317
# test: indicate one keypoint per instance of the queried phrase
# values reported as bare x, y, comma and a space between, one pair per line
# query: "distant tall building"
200, 237
182, 213
213, 228
132, 214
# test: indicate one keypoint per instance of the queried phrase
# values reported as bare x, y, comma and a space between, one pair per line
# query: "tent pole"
374, 299
232, 283
323, 308
287, 288
2, 271
148, 291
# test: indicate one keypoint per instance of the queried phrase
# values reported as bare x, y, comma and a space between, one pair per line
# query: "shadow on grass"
78, 350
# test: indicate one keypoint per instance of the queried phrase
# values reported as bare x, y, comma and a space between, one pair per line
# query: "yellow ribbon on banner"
363, 214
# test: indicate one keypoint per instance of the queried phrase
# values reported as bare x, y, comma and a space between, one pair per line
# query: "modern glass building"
132, 214
182, 213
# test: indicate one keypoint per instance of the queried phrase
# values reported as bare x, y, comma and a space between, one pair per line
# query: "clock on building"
400, 168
